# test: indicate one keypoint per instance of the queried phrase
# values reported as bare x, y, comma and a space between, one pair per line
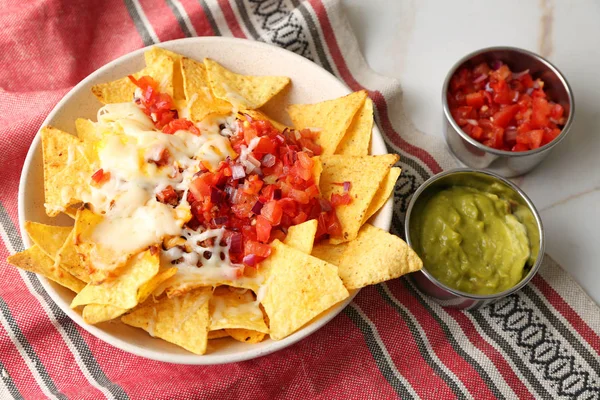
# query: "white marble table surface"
417, 41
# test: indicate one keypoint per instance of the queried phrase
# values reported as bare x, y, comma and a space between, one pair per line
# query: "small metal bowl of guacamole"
479, 236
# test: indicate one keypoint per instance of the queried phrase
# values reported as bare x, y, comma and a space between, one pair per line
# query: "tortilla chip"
383, 193
217, 334
66, 170
96, 313
200, 99
35, 260
299, 288
317, 169
234, 309
154, 57
147, 288
119, 91
246, 335
125, 291
376, 256
332, 253
47, 237
331, 118
243, 91
68, 258
180, 320
302, 236
122, 90
102, 261
365, 175
187, 279
89, 136
260, 116
358, 136
71, 211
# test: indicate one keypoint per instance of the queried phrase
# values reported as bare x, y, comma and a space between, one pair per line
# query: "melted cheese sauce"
129, 150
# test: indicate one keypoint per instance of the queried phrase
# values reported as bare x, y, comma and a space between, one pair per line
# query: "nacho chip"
71, 211
34, 260
233, 309
48, 238
317, 169
68, 258
189, 278
243, 91
96, 313
217, 334
357, 139
155, 56
260, 116
246, 335
102, 260
89, 136
122, 90
66, 171
365, 175
383, 193
332, 118
180, 320
201, 101
302, 236
127, 289
376, 256
332, 253
299, 288
147, 288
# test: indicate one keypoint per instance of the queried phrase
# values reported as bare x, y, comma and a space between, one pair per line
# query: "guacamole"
477, 239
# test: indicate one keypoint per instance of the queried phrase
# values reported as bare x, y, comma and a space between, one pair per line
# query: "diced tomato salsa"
502, 109
257, 196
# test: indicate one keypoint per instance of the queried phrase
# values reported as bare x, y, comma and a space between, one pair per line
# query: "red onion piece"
250, 260
325, 205
257, 207
280, 139
276, 194
480, 78
488, 88
515, 97
237, 171
347, 186
220, 220
517, 75
472, 122
529, 91
268, 160
236, 244
248, 117
253, 161
497, 64
216, 195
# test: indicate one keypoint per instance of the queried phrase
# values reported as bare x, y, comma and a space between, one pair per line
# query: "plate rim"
185, 359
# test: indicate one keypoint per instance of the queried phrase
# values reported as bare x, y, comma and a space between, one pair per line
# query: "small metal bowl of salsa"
479, 236
505, 109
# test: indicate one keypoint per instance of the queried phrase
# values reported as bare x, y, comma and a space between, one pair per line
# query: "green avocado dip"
477, 239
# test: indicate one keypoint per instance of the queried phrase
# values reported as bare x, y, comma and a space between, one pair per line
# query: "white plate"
310, 83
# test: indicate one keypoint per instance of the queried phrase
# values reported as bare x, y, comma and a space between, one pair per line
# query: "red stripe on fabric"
49, 49
401, 345
17, 369
44, 338
490, 351
377, 97
231, 19
162, 19
314, 367
567, 312
197, 17
440, 344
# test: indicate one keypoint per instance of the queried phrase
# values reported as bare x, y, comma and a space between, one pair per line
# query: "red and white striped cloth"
542, 342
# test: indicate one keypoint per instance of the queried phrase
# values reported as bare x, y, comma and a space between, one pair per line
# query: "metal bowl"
441, 293
507, 163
